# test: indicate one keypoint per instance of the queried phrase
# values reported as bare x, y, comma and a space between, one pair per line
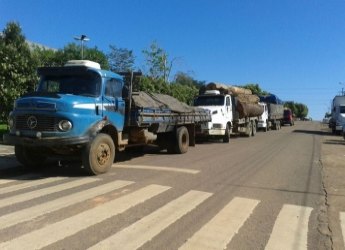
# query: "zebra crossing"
216, 233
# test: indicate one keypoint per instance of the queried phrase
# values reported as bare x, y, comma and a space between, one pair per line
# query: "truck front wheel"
29, 157
99, 155
182, 140
226, 137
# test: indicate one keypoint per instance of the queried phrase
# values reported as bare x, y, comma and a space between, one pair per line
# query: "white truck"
272, 116
337, 120
229, 116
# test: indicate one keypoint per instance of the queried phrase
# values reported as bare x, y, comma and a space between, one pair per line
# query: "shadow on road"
334, 142
312, 132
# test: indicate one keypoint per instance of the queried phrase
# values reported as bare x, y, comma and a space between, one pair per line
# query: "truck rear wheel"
182, 140
28, 157
99, 155
253, 128
249, 128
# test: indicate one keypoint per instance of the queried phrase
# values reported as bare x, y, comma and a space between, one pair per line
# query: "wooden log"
249, 109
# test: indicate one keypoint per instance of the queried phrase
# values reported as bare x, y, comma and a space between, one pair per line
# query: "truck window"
86, 84
342, 109
113, 88
209, 101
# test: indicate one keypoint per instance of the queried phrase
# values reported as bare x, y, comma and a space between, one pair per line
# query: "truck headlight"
65, 125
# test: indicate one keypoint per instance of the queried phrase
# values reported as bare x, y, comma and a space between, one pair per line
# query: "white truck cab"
220, 107
338, 114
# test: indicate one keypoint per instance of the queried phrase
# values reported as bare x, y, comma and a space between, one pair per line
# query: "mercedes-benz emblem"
32, 122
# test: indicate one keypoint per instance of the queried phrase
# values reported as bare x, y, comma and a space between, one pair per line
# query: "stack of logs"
247, 103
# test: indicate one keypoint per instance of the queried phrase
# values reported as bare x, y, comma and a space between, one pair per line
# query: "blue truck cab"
71, 106
81, 111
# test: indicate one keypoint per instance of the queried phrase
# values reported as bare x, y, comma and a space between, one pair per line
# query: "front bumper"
51, 142
210, 132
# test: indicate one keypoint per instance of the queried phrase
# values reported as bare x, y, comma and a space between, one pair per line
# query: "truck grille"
36, 123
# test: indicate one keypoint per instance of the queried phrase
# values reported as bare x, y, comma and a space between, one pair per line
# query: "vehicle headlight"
65, 125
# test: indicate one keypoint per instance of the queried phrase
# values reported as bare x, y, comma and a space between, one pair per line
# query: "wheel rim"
103, 154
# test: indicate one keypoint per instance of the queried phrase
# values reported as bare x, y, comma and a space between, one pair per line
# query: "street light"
82, 39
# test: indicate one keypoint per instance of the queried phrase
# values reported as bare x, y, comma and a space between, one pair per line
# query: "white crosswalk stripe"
218, 232
70, 226
145, 229
44, 191
30, 183
291, 219
54, 205
342, 224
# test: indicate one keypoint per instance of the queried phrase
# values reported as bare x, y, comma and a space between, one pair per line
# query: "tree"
120, 59
299, 110
183, 93
185, 79
152, 85
72, 51
43, 57
17, 68
157, 62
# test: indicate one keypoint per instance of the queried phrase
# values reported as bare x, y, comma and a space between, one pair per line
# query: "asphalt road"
263, 192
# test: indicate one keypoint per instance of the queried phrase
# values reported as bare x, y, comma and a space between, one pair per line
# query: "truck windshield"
85, 85
209, 101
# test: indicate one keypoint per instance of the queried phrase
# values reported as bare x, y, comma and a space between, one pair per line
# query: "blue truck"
83, 112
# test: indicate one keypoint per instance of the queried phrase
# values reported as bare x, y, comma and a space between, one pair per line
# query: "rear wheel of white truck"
253, 128
29, 157
182, 140
249, 128
99, 155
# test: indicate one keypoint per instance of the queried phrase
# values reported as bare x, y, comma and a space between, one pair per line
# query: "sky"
294, 49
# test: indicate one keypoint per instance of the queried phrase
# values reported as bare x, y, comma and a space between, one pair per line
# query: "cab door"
228, 109
113, 104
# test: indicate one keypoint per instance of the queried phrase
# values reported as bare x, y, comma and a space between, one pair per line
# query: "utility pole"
82, 39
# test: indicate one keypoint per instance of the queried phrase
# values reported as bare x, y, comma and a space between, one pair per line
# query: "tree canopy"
120, 59
299, 110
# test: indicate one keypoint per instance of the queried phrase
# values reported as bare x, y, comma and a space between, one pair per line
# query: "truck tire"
253, 128
28, 157
267, 126
249, 128
226, 137
182, 140
99, 155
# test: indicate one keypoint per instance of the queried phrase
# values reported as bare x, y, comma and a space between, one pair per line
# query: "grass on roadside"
3, 130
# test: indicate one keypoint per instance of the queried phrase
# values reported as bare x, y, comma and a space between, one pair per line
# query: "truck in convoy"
84, 112
337, 114
233, 110
273, 115
288, 117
